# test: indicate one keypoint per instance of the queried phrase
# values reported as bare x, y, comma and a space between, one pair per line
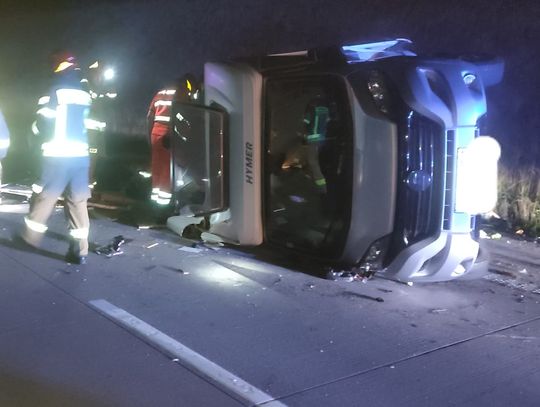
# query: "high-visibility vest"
316, 121
63, 118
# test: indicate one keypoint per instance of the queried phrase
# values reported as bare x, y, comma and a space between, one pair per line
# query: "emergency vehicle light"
376, 50
108, 74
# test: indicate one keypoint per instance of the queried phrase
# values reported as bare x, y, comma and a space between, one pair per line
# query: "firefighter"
99, 111
61, 129
159, 124
316, 119
4, 143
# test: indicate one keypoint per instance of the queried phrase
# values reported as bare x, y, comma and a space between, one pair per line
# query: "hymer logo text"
249, 163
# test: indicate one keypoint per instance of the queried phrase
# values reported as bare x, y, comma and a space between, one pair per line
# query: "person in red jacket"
159, 120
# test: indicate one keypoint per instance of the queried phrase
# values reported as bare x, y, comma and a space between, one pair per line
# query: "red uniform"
159, 118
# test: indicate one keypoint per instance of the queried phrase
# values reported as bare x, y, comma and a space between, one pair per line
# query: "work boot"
74, 258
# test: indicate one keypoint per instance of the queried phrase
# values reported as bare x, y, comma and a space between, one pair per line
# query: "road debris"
152, 245
437, 310
492, 235
113, 248
346, 276
352, 295
385, 290
190, 249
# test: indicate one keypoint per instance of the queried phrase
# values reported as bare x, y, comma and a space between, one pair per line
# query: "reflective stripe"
44, 100
35, 129
165, 195
63, 148
162, 119
163, 103
79, 233
314, 137
47, 112
35, 226
179, 117
37, 188
320, 182
167, 92
92, 124
4, 143
73, 97
163, 201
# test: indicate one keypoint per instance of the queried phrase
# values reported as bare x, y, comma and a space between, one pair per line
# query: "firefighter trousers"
61, 175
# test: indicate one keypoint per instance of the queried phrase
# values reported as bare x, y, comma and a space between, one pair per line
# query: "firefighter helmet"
188, 87
63, 60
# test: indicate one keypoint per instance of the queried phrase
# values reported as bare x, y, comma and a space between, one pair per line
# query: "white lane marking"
198, 364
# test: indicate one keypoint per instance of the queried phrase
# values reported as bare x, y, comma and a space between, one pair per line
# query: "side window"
308, 147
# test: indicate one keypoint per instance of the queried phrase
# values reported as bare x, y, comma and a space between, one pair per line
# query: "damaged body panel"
365, 157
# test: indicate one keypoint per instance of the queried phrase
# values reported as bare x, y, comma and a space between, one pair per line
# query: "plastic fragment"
113, 248
190, 249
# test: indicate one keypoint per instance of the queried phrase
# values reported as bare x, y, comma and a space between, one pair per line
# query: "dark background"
152, 42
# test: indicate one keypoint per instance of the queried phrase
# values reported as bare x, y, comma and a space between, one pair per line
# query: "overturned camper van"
366, 156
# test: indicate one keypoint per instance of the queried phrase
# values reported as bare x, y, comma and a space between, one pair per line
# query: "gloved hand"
166, 142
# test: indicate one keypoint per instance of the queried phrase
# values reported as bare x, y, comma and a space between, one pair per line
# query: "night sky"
152, 42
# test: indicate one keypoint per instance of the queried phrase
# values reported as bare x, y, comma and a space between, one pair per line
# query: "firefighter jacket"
4, 137
159, 113
62, 118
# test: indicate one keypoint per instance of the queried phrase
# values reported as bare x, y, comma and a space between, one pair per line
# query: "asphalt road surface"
166, 324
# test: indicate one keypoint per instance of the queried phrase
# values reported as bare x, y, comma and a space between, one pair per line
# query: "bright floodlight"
477, 176
108, 74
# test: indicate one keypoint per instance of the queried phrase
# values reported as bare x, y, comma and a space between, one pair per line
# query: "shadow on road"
27, 392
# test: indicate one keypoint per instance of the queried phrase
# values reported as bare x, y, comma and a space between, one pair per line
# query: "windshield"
308, 163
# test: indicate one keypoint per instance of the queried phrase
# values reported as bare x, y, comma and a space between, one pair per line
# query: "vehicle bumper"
450, 256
